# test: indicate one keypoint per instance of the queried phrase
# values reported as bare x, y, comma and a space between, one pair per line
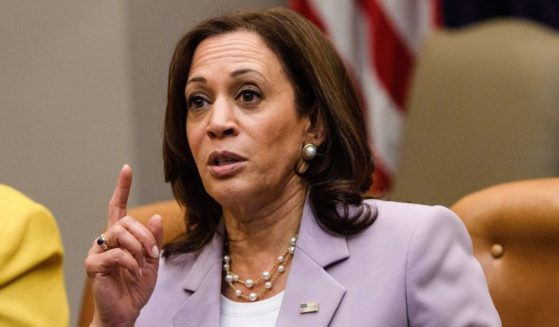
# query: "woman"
265, 145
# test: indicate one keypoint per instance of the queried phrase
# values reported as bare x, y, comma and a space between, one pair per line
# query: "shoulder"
13, 200
405, 234
403, 229
424, 224
28, 229
441, 272
26, 224
420, 258
19, 213
31, 257
407, 212
407, 221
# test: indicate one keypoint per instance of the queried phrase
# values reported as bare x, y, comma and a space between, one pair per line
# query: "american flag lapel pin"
307, 307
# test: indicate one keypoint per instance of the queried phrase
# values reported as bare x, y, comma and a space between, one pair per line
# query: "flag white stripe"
410, 18
338, 18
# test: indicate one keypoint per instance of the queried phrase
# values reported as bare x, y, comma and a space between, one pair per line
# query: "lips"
224, 158
225, 164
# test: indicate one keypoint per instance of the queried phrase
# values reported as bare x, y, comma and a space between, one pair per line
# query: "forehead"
233, 49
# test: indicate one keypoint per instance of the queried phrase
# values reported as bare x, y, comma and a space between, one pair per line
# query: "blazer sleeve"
32, 291
445, 285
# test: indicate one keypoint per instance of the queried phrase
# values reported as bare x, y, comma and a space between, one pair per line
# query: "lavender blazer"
413, 267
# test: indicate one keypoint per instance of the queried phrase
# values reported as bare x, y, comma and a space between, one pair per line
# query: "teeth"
224, 161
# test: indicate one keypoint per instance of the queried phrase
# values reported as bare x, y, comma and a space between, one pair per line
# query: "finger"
105, 263
155, 225
143, 234
125, 236
95, 248
119, 200
133, 236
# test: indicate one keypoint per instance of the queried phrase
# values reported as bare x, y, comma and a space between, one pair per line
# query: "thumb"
155, 225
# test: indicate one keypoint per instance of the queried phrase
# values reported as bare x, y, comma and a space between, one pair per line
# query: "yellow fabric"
32, 291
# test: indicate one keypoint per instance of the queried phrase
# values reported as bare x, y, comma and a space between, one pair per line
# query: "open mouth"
224, 158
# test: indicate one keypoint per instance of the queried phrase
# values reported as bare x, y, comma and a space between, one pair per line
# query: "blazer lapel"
308, 279
203, 282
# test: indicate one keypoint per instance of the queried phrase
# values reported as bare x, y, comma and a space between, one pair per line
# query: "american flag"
379, 41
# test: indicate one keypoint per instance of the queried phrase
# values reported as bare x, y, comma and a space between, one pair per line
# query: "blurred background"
459, 95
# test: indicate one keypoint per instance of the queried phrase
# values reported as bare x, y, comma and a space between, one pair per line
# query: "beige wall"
82, 91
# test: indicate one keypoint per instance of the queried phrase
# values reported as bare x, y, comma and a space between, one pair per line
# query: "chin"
228, 193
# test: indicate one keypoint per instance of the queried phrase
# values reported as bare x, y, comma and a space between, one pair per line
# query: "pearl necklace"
267, 277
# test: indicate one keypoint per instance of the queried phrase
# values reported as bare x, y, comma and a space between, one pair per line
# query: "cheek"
285, 139
193, 139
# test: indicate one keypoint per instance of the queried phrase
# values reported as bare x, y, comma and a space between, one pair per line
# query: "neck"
266, 229
256, 241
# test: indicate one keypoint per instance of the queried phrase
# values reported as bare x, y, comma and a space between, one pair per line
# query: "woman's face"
242, 126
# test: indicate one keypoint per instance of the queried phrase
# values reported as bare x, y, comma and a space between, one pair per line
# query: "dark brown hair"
324, 92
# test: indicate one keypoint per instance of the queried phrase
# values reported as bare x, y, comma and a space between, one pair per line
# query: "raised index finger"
119, 200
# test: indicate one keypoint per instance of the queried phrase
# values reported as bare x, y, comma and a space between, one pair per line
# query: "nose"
222, 120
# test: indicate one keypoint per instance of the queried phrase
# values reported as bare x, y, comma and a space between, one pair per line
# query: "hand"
123, 277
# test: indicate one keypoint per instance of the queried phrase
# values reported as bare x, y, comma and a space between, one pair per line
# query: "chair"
515, 232
483, 110
173, 225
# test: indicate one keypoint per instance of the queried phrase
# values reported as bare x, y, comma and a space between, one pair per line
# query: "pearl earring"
309, 151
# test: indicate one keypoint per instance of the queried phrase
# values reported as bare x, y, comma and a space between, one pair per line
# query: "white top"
255, 314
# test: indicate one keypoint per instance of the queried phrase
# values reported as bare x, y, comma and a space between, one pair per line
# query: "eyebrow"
243, 71
196, 79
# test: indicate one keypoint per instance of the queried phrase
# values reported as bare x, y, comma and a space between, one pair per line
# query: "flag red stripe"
391, 58
382, 180
305, 9
437, 13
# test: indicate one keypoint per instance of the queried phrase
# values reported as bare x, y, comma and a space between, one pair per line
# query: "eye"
249, 96
196, 102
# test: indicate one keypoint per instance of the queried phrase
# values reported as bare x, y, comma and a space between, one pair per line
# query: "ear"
315, 130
